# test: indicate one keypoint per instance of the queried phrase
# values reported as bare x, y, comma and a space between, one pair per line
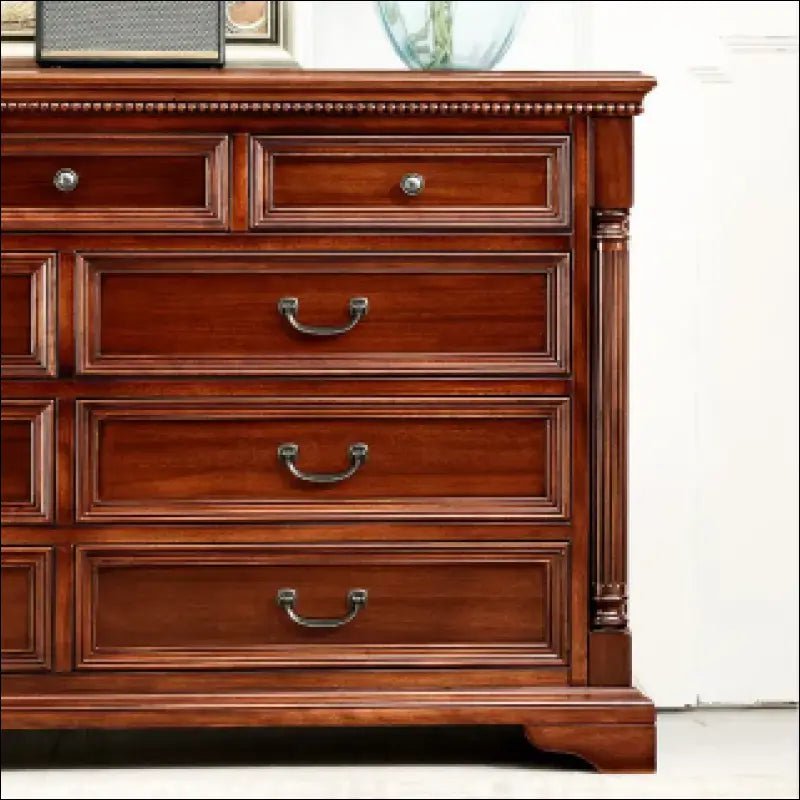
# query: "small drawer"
168, 607
310, 459
25, 591
114, 182
492, 182
28, 319
325, 314
27, 460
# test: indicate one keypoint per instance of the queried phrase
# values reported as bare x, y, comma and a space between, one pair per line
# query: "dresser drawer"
461, 181
218, 607
28, 318
26, 460
356, 313
25, 604
114, 182
426, 458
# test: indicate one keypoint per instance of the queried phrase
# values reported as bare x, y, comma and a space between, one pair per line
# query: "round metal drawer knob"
412, 184
66, 180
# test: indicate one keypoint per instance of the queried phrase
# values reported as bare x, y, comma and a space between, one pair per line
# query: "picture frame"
17, 20
253, 21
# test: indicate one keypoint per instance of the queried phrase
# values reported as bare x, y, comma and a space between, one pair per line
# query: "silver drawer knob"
412, 184
66, 180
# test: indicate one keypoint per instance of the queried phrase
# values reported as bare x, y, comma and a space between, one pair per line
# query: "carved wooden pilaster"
610, 417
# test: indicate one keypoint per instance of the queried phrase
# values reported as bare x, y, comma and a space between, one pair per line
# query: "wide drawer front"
324, 313
25, 604
238, 606
28, 318
518, 182
367, 458
27, 460
114, 182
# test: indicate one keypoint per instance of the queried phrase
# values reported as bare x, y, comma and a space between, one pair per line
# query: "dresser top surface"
22, 80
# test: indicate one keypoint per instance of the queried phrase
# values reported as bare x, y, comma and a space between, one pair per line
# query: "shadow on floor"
497, 746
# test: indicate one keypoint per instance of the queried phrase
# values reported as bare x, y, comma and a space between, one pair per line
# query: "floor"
708, 753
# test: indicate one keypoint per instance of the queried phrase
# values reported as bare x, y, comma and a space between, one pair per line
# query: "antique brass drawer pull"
288, 451
289, 306
356, 600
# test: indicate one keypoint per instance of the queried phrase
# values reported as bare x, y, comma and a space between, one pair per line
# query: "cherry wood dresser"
314, 401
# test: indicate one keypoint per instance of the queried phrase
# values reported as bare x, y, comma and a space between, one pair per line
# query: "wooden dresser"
314, 401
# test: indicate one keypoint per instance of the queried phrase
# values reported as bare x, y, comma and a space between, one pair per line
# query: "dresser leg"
608, 748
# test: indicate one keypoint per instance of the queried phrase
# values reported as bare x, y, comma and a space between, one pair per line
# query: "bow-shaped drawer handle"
289, 307
357, 452
356, 600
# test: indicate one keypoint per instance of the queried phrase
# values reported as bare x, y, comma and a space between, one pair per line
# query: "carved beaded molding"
377, 107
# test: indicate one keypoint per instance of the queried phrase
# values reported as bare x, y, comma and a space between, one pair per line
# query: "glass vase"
451, 34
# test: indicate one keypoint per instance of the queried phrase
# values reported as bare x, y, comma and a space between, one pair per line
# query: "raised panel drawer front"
498, 181
419, 313
26, 461
25, 588
238, 606
306, 458
114, 182
28, 318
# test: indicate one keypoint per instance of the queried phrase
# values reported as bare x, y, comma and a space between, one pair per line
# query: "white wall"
714, 314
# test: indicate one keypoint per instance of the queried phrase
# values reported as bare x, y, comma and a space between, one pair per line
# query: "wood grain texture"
26, 460
610, 658
281, 681
579, 393
28, 319
610, 418
488, 378
27, 88
612, 140
430, 458
533, 707
469, 182
217, 314
214, 606
26, 588
607, 747
128, 182
331, 532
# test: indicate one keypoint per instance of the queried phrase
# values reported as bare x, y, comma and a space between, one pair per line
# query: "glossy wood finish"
214, 607
487, 375
381, 91
26, 461
25, 602
495, 182
151, 313
428, 459
607, 747
610, 657
610, 404
28, 319
124, 182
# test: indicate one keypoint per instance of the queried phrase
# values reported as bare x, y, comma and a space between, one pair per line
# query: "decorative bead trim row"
398, 108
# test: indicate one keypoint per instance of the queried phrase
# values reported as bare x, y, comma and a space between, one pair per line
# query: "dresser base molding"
613, 729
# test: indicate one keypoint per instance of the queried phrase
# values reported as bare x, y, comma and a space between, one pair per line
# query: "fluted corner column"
610, 419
